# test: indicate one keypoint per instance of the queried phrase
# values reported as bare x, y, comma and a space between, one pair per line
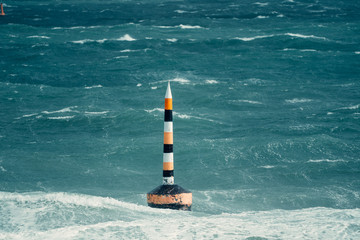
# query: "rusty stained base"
170, 196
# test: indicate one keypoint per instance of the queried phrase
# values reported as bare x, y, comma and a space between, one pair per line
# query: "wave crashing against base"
40, 215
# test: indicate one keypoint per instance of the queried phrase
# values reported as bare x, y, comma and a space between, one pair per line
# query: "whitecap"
61, 117
165, 26
211, 81
183, 116
29, 115
97, 113
172, 40
325, 160
102, 40
357, 52
247, 101
246, 39
127, 50
180, 80
139, 85
298, 100
67, 109
155, 110
308, 50
267, 166
83, 41
262, 17
95, 86
189, 26
126, 37
180, 11
351, 107
261, 4
153, 88
77, 27
304, 36
36, 36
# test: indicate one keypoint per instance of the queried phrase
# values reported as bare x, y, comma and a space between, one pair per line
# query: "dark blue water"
266, 99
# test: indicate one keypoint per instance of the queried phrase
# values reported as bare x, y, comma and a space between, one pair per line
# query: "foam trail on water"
35, 36
305, 36
247, 39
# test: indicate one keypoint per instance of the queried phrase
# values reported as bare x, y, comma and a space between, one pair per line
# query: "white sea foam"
76, 27
179, 115
357, 52
286, 34
83, 41
247, 101
298, 100
64, 110
289, 49
155, 110
76, 216
172, 40
180, 11
261, 4
61, 118
29, 115
139, 85
166, 27
127, 50
308, 50
267, 166
126, 37
96, 113
182, 26
180, 80
246, 39
351, 107
210, 81
305, 36
325, 160
262, 17
95, 86
189, 26
183, 116
36, 36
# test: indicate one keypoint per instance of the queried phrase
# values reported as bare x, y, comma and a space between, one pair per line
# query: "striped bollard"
169, 195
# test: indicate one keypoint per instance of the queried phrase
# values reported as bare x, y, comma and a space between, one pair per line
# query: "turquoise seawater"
266, 99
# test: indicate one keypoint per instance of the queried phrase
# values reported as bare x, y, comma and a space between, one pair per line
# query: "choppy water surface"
266, 118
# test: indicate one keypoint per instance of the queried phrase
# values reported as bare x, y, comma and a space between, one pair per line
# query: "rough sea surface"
266, 98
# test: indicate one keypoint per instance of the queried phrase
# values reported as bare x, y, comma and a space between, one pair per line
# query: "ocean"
266, 109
